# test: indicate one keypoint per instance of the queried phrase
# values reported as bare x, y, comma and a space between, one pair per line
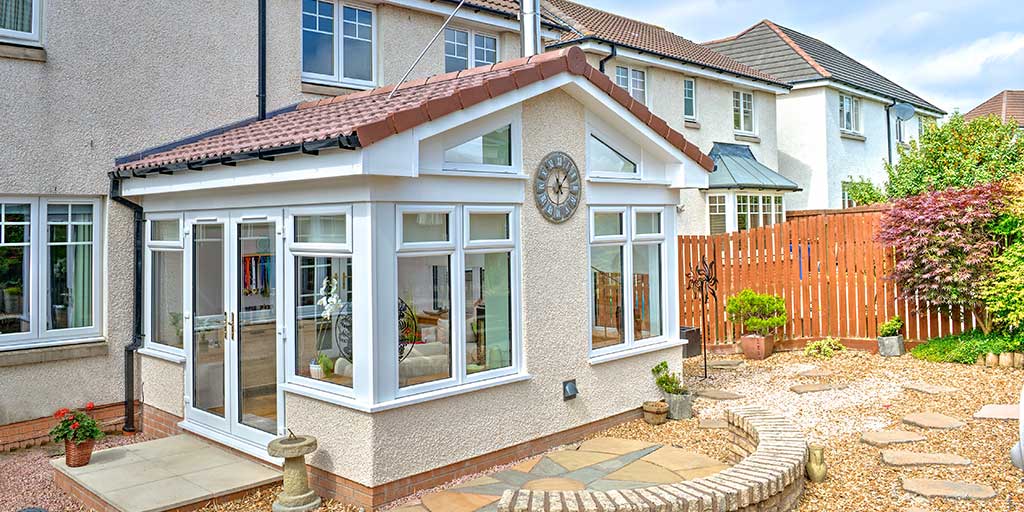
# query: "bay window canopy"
737, 168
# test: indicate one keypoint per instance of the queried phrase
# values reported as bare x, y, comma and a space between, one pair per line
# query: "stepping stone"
931, 389
887, 437
947, 489
815, 388
725, 364
932, 420
999, 412
908, 458
554, 484
717, 394
817, 372
712, 423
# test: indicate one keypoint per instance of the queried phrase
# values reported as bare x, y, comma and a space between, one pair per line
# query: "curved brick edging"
769, 452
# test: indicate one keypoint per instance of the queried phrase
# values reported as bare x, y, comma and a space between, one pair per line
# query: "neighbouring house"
841, 120
1006, 105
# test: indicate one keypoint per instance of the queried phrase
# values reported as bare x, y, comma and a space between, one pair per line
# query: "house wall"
163, 384
803, 145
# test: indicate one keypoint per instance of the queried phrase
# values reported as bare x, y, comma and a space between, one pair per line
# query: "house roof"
363, 118
796, 57
510, 9
736, 167
1008, 104
594, 24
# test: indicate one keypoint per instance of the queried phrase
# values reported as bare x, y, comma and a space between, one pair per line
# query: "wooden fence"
828, 268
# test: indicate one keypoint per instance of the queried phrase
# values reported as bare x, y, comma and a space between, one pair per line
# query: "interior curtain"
16, 15
80, 275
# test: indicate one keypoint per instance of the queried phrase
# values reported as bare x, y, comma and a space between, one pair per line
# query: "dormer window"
493, 148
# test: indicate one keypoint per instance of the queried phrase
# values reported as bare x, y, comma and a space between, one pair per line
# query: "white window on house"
20, 20
900, 131
603, 158
15, 268
754, 211
626, 241
166, 281
492, 148
338, 43
848, 202
460, 54
849, 113
690, 99
633, 81
716, 214
743, 111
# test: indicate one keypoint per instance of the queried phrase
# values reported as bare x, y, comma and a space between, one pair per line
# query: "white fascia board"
469, 14
861, 93
679, 67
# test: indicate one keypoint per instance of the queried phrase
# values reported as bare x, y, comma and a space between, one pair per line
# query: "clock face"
557, 187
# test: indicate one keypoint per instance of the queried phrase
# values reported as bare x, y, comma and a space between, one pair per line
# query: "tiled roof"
592, 23
797, 57
363, 118
1008, 104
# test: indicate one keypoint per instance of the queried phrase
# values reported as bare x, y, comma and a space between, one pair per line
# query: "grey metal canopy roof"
736, 167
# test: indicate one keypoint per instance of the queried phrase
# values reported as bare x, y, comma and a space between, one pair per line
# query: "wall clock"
557, 187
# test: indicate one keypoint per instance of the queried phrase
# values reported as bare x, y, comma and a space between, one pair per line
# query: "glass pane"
455, 64
622, 77
58, 233
323, 319
424, 320
208, 327
309, 6
164, 230
317, 53
81, 232
494, 148
70, 278
646, 291
358, 59
257, 326
488, 226
14, 296
16, 15
606, 303
607, 223
17, 213
605, 159
327, 9
15, 234
424, 227
81, 213
648, 223
766, 210
167, 306
488, 312
57, 213
322, 229
717, 223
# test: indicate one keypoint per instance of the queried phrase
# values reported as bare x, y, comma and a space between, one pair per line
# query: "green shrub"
669, 382
759, 313
862, 192
892, 327
824, 348
966, 347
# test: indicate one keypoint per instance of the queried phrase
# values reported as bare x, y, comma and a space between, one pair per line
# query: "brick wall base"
36, 432
159, 423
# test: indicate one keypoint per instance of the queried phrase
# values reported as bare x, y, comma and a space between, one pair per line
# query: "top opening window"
605, 159
165, 230
464, 49
425, 227
321, 229
19, 19
337, 48
743, 111
849, 113
493, 148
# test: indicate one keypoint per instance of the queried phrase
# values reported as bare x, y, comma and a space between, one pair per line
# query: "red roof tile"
366, 117
1007, 105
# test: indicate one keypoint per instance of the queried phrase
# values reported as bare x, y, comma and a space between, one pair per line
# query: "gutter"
137, 336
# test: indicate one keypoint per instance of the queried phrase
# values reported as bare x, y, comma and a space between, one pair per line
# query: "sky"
955, 54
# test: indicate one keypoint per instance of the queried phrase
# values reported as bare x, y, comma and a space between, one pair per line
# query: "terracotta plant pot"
78, 455
756, 346
655, 413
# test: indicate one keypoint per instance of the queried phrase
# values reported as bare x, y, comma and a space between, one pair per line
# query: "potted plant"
890, 338
79, 431
655, 412
677, 396
321, 366
760, 315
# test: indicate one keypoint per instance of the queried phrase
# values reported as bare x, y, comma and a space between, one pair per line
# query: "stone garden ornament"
296, 495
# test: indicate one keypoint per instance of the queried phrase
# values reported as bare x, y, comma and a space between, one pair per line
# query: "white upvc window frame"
743, 103
471, 47
900, 131
152, 246
724, 213
855, 125
97, 273
35, 36
691, 84
631, 86
619, 144
760, 197
338, 78
15, 340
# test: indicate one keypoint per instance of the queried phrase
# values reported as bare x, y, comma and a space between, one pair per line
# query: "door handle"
229, 326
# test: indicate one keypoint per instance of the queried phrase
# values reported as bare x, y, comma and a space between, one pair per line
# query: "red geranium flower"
74, 425
60, 412
90, 406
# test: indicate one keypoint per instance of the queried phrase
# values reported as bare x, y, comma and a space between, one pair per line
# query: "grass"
965, 348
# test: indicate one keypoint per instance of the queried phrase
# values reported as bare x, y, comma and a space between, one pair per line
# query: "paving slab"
576, 459
526, 465
547, 467
725, 364
909, 458
554, 484
947, 489
643, 471
931, 389
999, 412
677, 459
718, 394
446, 501
887, 437
614, 485
932, 420
815, 388
817, 372
712, 423
614, 445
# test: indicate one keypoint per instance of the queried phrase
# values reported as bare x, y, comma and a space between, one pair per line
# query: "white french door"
234, 323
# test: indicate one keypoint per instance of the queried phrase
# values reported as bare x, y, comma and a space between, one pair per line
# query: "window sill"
627, 181
514, 175
79, 349
747, 137
635, 351
350, 403
691, 123
22, 51
331, 89
852, 136
160, 354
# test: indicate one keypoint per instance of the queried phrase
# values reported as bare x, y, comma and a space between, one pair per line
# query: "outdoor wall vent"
569, 389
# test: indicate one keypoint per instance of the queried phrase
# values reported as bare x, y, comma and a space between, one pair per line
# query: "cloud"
970, 61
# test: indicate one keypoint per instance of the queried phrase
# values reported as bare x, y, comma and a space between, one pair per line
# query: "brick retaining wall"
36, 432
768, 452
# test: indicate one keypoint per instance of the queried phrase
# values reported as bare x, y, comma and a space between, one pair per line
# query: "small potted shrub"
677, 396
321, 367
79, 431
890, 338
655, 412
760, 315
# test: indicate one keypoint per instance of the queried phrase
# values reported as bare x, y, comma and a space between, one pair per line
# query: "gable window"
459, 54
603, 158
849, 113
19, 19
165, 252
337, 48
716, 214
743, 111
690, 99
493, 148
634, 81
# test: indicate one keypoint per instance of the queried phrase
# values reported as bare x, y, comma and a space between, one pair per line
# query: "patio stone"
999, 412
725, 364
446, 501
701, 472
931, 389
712, 423
908, 458
547, 467
527, 465
614, 485
887, 437
947, 489
932, 420
614, 445
718, 394
817, 372
554, 484
677, 459
576, 459
643, 471
156, 495
512, 477
484, 480
815, 388
411, 508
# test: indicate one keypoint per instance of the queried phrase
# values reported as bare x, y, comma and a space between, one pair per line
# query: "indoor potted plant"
760, 315
677, 396
79, 431
321, 367
890, 338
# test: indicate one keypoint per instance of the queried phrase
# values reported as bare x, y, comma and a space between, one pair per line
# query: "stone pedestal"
296, 496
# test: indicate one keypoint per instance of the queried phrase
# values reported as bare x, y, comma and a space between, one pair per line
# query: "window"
494, 148
900, 131
626, 242
690, 99
166, 284
20, 19
634, 81
69, 265
848, 202
716, 214
753, 211
15, 268
337, 49
459, 55
602, 158
743, 111
849, 113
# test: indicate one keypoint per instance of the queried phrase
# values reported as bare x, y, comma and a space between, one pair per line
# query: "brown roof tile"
364, 118
1008, 104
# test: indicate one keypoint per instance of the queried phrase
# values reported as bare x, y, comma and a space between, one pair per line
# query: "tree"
1003, 292
957, 154
862, 192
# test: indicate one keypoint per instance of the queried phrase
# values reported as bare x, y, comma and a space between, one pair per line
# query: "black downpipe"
888, 129
262, 86
600, 63
137, 336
